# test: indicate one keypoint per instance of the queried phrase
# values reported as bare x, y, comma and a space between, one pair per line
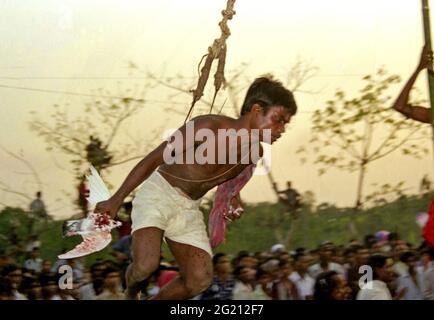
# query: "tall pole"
427, 35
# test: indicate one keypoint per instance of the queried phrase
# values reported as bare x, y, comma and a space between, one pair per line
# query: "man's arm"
402, 105
139, 173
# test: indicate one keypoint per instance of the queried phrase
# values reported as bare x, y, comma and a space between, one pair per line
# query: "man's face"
112, 280
247, 274
342, 290
15, 277
362, 256
386, 272
411, 262
302, 264
274, 119
46, 266
35, 254
326, 253
223, 265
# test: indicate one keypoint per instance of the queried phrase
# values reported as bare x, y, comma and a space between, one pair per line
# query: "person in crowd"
326, 251
331, 285
34, 263
300, 277
413, 280
14, 275
112, 285
223, 282
382, 274
244, 280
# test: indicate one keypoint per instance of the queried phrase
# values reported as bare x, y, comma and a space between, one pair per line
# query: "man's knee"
198, 282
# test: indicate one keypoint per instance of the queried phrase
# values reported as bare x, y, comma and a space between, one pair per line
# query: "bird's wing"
92, 242
97, 189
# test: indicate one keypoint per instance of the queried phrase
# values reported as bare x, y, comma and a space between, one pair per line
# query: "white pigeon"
95, 228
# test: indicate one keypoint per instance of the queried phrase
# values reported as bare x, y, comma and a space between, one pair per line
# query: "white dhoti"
158, 204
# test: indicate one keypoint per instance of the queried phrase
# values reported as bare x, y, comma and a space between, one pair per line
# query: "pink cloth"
222, 199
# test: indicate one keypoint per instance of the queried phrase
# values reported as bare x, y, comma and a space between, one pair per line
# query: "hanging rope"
216, 51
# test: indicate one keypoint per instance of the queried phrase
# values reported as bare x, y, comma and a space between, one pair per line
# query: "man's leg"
146, 248
195, 266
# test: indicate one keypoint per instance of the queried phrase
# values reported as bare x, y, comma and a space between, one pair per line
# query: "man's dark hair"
9, 269
238, 270
405, 256
324, 285
216, 258
376, 261
268, 92
6, 287
369, 240
393, 236
298, 256
109, 270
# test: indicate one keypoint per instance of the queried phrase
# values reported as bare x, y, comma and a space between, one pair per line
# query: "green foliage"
254, 232
346, 133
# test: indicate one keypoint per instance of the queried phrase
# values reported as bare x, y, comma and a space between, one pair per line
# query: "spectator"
428, 272
261, 290
223, 282
32, 288
399, 267
331, 285
369, 241
37, 207
284, 289
325, 261
382, 272
15, 276
353, 275
6, 290
412, 282
301, 278
34, 263
121, 250
112, 283
244, 278
89, 291
50, 287
46, 266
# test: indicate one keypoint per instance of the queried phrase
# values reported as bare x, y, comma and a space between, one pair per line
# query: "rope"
216, 51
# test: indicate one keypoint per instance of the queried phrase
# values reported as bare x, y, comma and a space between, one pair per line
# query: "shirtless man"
402, 105
167, 204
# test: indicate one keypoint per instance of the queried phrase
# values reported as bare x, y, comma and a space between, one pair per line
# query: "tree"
351, 134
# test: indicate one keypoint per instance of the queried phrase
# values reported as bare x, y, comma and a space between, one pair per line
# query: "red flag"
428, 230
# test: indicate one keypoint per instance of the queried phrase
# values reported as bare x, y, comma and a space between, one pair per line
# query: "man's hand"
110, 207
426, 59
235, 209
